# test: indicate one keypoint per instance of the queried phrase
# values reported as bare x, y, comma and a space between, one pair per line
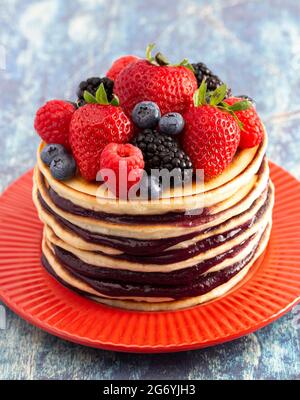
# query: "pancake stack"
166, 254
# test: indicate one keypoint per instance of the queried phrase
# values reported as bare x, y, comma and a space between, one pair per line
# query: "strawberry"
118, 65
127, 162
212, 133
253, 131
171, 87
52, 122
95, 125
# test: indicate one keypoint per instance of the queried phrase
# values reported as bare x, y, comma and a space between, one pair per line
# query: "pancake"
222, 237
178, 251
157, 304
84, 239
92, 196
156, 231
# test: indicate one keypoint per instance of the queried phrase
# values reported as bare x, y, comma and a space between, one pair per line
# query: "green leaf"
200, 94
240, 124
161, 59
240, 105
101, 96
225, 107
185, 63
196, 98
88, 97
115, 100
190, 67
149, 49
218, 95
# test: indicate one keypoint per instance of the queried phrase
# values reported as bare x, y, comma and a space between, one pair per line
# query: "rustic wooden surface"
48, 46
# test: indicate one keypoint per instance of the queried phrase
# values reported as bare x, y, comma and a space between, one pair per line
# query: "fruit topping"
50, 151
95, 125
118, 65
63, 167
146, 114
75, 105
127, 163
213, 81
253, 131
91, 85
176, 126
212, 130
171, 87
171, 123
161, 151
52, 122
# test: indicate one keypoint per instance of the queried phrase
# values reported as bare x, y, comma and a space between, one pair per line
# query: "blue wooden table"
47, 47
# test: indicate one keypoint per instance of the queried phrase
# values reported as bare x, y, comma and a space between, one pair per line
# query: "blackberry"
212, 80
73, 104
91, 85
161, 151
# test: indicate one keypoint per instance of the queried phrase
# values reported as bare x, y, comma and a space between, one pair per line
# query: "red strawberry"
211, 135
118, 65
170, 87
52, 122
253, 131
127, 162
92, 127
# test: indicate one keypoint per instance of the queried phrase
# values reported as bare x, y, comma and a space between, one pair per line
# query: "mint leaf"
218, 95
240, 105
88, 97
101, 96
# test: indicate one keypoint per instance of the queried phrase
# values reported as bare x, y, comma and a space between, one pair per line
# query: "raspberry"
118, 65
127, 162
52, 122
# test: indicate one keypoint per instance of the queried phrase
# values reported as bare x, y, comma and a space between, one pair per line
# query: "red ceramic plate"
270, 289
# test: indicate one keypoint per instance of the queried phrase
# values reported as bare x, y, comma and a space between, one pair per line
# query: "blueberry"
150, 187
63, 167
171, 123
244, 96
50, 151
146, 114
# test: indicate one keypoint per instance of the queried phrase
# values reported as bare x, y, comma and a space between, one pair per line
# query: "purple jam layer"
127, 245
199, 286
180, 219
153, 251
171, 217
180, 277
177, 255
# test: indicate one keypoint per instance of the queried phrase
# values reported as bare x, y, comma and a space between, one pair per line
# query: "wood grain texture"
52, 45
